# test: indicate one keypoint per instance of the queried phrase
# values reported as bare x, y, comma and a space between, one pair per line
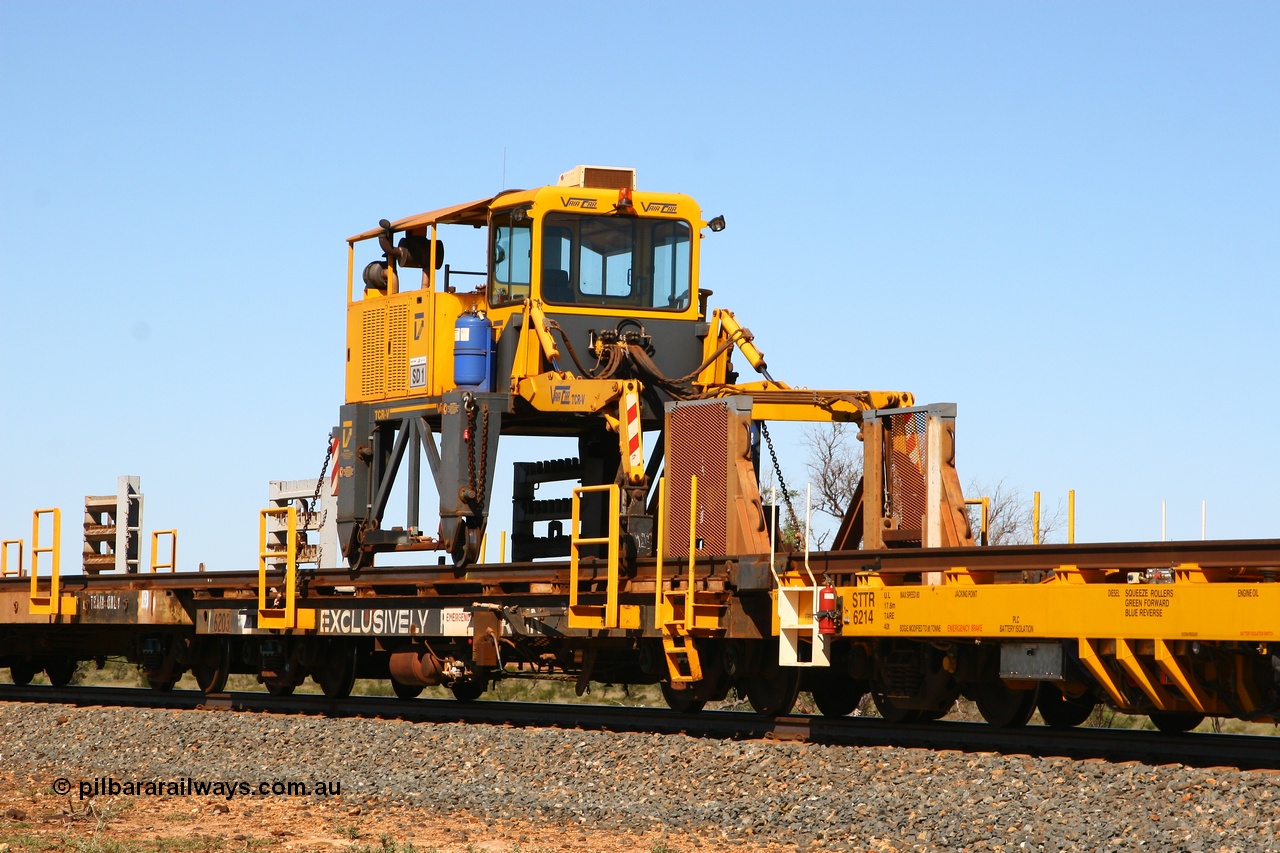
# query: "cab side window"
671, 265
510, 257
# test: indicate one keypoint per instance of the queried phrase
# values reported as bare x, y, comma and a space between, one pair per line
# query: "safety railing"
594, 616
283, 612
172, 565
1071, 518
4, 557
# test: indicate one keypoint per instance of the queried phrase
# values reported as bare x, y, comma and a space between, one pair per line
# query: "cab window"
615, 260
510, 256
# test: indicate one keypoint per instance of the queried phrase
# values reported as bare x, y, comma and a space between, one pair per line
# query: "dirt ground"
34, 818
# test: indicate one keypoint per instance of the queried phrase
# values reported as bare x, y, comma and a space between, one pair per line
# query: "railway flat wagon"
667, 563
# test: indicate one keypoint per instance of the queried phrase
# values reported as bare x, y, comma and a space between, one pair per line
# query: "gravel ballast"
827, 797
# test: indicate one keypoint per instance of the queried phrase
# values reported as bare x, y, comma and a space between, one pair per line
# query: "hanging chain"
315, 499
469, 438
484, 452
777, 469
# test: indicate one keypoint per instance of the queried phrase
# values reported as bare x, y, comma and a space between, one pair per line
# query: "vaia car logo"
577, 201
659, 207
560, 396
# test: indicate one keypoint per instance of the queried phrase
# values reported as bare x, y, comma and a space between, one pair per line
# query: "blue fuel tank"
472, 351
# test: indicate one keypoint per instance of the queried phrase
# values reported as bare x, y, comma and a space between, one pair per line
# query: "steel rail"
1243, 752
1106, 556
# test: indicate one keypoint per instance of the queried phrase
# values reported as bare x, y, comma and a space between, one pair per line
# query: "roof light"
625, 204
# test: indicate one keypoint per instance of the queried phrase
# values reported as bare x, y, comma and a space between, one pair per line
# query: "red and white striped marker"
635, 458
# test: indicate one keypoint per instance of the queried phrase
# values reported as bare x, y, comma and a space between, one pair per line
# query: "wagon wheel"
468, 689
22, 673
406, 691
60, 671
772, 692
931, 714
891, 712
1063, 712
838, 694
1175, 722
279, 686
684, 701
1002, 706
213, 665
336, 674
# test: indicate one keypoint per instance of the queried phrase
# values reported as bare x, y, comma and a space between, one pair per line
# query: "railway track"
1243, 752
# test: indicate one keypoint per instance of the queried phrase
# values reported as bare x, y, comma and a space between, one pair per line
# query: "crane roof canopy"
469, 213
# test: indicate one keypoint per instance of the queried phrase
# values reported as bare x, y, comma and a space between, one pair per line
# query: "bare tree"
835, 466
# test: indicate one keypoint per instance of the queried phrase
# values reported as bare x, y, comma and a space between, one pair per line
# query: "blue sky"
1064, 217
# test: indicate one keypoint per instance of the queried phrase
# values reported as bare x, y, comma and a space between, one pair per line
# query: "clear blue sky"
1064, 217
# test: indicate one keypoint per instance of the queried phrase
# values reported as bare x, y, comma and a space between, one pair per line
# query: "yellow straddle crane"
586, 319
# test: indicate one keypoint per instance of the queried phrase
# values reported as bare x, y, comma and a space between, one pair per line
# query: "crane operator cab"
592, 251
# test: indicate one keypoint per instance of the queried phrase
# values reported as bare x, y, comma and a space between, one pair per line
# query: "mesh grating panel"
907, 466
373, 353
397, 358
697, 444
608, 179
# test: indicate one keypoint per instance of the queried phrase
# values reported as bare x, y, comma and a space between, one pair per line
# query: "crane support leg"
469, 429
373, 443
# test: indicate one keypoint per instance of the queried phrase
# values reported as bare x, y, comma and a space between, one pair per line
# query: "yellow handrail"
693, 549
4, 557
662, 547
578, 618
286, 616
985, 503
172, 565
42, 605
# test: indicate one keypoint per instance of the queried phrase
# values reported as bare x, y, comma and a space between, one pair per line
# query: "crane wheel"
466, 550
